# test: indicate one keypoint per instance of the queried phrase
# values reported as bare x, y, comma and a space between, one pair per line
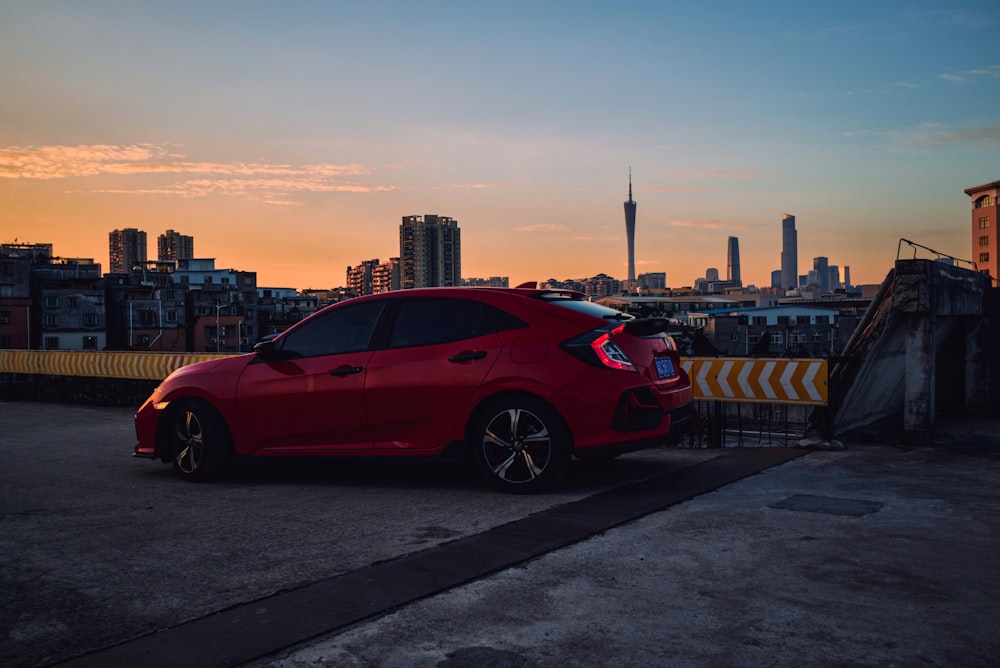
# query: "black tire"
520, 444
200, 444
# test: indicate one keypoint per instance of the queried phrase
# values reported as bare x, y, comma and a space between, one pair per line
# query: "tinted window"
591, 308
341, 330
422, 322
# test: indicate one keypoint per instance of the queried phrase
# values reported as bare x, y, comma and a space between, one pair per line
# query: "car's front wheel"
520, 444
199, 440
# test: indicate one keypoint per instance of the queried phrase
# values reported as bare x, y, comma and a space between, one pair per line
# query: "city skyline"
289, 140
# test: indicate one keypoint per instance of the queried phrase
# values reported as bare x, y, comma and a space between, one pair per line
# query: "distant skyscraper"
821, 266
126, 249
712, 275
789, 253
847, 279
174, 246
630, 228
430, 252
733, 261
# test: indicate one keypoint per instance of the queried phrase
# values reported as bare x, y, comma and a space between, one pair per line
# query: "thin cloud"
708, 224
714, 174
542, 227
990, 72
262, 182
463, 186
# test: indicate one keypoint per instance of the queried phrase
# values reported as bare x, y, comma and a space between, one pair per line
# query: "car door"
418, 387
310, 398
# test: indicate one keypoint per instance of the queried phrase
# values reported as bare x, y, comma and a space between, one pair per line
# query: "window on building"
984, 257
210, 331
984, 241
777, 337
52, 302
4, 317
784, 319
4, 341
90, 320
817, 337
171, 316
71, 302
51, 343
50, 320
753, 339
985, 201
984, 223
760, 320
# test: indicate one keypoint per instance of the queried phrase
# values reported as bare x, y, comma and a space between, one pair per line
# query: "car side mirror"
266, 350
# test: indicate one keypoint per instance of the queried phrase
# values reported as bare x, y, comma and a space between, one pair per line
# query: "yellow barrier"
136, 365
763, 380
758, 380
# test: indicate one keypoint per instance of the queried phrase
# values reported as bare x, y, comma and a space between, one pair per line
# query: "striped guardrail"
135, 365
761, 380
758, 380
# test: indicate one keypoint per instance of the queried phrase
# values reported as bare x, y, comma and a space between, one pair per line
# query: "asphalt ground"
876, 554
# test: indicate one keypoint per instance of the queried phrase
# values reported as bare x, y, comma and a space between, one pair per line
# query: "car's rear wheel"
199, 440
520, 444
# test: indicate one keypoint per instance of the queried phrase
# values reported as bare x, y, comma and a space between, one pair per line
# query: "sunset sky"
289, 138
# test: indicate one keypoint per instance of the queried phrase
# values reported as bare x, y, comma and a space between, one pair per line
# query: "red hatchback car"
519, 380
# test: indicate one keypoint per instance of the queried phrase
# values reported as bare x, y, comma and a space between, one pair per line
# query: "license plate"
664, 367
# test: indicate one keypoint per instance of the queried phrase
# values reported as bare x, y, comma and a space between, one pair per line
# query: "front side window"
347, 329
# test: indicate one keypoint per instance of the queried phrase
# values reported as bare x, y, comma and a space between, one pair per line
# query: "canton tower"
630, 228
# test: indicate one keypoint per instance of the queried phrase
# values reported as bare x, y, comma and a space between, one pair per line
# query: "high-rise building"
430, 252
789, 253
733, 261
174, 246
821, 266
653, 280
985, 210
847, 278
630, 228
359, 278
126, 248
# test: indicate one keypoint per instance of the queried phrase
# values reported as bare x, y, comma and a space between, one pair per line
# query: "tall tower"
430, 252
985, 218
126, 248
733, 261
174, 246
789, 253
630, 228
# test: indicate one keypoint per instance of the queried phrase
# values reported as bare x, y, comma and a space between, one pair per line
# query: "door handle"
468, 356
346, 370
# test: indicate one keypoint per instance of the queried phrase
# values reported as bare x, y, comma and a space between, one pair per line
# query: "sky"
290, 138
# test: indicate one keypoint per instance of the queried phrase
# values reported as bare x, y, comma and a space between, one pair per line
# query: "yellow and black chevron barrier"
758, 380
134, 365
761, 380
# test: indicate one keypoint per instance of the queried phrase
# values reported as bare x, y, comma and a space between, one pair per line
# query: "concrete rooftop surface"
874, 555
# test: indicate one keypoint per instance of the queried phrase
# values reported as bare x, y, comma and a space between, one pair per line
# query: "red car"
519, 380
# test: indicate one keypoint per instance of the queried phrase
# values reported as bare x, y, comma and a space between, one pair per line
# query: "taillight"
598, 347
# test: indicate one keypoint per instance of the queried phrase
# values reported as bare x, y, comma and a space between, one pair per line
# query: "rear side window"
340, 330
423, 322
590, 308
